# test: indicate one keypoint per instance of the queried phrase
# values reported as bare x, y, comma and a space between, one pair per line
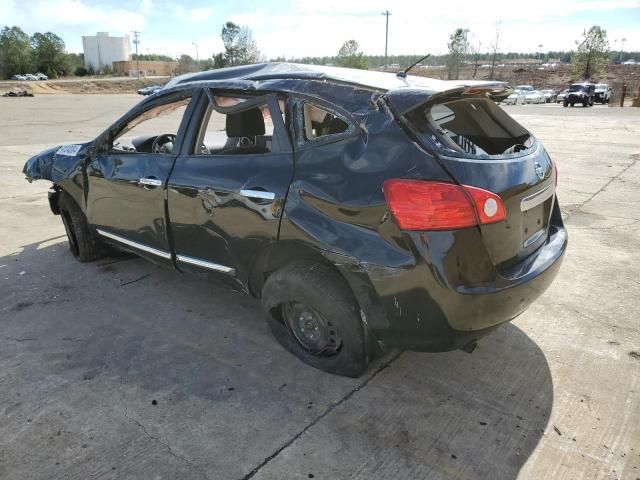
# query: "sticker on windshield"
69, 150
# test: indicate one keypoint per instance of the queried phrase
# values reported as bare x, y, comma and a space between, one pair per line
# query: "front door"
126, 194
227, 191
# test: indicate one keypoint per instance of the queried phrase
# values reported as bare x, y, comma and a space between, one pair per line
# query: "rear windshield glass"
471, 127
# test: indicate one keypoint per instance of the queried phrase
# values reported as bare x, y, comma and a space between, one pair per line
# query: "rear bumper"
431, 306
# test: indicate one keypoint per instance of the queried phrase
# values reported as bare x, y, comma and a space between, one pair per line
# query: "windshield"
577, 88
470, 127
601, 86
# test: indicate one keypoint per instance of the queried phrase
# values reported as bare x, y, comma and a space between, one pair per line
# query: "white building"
102, 50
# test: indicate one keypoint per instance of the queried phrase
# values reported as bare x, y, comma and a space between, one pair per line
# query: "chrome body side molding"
136, 245
204, 264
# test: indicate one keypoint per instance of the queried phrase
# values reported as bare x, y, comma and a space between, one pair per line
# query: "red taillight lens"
426, 205
488, 205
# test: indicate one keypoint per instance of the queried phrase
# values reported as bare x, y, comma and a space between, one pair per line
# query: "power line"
386, 13
136, 41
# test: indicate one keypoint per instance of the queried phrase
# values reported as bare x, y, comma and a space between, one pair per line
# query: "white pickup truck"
602, 93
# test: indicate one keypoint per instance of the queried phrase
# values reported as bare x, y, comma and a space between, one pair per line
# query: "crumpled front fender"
57, 163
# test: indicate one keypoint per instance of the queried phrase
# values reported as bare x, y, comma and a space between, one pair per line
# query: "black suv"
582, 93
367, 210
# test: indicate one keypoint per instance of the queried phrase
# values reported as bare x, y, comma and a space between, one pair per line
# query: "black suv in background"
366, 210
581, 93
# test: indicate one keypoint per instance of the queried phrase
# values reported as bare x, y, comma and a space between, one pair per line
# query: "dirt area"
82, 86
120, 369
557, 78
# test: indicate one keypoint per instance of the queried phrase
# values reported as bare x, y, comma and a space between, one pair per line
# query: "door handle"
261, 194
150, 182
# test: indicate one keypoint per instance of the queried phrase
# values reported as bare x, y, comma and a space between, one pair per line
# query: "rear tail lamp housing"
431, 205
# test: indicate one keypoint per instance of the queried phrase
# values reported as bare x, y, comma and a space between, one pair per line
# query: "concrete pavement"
121, 369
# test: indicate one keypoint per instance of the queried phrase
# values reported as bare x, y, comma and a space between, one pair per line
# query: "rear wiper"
403, 74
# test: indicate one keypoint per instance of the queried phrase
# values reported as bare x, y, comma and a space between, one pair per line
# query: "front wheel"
313, 314
84, 243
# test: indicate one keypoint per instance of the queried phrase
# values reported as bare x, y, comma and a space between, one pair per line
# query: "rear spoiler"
409, 98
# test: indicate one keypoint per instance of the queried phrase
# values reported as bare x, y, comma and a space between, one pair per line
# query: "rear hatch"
481, 146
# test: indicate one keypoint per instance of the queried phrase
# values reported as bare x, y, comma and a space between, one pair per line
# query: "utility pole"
622, 48
386, 13
136, 41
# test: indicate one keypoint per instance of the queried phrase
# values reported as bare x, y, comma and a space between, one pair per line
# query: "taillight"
555, 173
428, 205
489, 206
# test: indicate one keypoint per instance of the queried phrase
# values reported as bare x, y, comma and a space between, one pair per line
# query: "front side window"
153, 131
240, 131
319, 122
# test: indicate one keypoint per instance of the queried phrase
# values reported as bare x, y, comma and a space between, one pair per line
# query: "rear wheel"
84, 243
312, 313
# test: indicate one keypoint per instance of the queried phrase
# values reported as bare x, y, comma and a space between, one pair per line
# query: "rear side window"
471, 127
319, 122
243, 132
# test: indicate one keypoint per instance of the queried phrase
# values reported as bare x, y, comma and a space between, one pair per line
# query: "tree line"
589, 60
46, 53
42, 52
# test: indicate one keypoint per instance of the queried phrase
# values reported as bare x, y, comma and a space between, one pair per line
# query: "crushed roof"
384, 81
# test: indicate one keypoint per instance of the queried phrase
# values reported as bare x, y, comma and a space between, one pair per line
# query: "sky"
298, 28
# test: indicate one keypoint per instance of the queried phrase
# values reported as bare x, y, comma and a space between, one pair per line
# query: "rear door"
227, 191
481, 146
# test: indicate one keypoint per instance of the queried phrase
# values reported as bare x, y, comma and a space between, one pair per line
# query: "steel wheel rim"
311, 330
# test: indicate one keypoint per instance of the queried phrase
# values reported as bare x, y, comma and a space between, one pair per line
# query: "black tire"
327, 296
84, 242
585, 103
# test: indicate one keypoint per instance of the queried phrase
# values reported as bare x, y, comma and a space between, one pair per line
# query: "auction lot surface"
120, 369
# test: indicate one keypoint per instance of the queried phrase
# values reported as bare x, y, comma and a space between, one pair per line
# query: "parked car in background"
150, 90
41, 76
30, 76
525, 88
549, 95
518, 97
580, 93
602, 93
18, 77
561, 96
534, 96
365, 210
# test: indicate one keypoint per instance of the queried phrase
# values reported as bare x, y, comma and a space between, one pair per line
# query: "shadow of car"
101, 344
